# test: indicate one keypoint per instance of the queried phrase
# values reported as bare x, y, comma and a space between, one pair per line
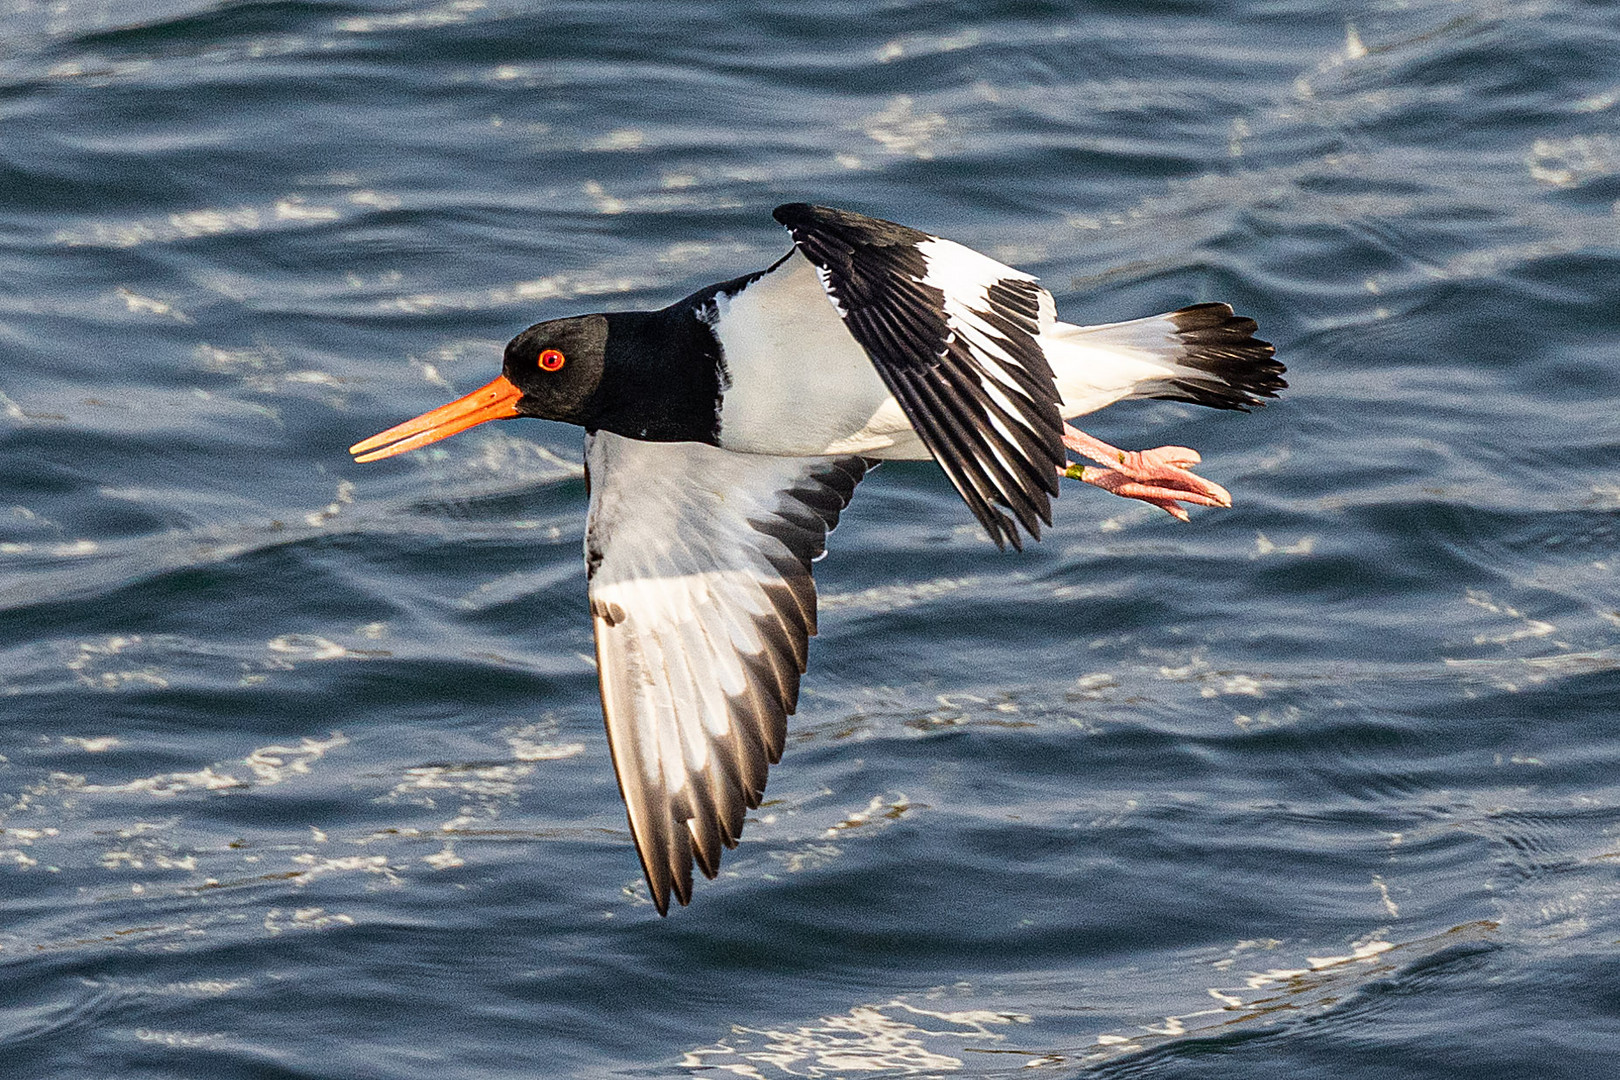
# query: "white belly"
800, 385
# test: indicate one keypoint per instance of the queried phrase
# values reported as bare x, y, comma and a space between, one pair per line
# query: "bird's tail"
1203, 354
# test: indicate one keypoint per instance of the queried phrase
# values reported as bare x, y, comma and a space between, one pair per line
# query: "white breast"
800, 385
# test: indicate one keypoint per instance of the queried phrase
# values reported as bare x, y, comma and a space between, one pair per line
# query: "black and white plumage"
703, 604
953, 335
727, 432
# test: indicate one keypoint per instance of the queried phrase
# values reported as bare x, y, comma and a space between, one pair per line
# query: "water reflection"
895, 1037
901, 1039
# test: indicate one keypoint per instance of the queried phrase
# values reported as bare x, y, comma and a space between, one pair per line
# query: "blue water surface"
302, 772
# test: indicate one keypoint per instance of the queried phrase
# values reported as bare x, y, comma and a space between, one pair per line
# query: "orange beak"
497, 401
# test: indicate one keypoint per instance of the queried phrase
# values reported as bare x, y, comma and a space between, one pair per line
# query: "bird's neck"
661, 378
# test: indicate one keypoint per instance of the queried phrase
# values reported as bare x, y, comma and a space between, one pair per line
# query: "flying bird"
726, 432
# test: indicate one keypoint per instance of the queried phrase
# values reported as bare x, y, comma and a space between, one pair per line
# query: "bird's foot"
1161, 476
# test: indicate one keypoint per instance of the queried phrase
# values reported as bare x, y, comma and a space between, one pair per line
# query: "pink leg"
1159, 476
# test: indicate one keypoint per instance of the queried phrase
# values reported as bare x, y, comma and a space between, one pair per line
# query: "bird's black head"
557, 365
551, 370
664, 384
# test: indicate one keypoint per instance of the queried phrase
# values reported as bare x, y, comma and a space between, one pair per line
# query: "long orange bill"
497, 401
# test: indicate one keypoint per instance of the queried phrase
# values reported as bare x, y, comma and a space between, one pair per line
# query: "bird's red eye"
552, 360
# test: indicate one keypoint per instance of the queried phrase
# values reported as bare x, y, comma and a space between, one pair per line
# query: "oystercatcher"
726, 432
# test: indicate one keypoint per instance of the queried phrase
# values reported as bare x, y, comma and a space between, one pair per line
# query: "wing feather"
955, 337
703, 605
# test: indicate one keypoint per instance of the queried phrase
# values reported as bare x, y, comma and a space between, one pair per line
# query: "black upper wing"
954, 336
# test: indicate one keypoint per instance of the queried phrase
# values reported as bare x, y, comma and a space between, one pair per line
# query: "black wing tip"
1227, 366
661, 902
1001, 528
659, 881
674, 879
794, 213
846, 224
992, 474
802, 213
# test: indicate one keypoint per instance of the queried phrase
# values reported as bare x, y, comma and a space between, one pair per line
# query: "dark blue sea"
302, 769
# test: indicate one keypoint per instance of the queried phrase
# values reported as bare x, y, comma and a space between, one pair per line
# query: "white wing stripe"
961, 271
977, 333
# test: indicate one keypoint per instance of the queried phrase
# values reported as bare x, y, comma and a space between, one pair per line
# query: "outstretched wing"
953, 335
703, 605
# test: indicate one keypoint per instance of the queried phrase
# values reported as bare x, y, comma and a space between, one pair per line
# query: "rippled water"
303, 772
